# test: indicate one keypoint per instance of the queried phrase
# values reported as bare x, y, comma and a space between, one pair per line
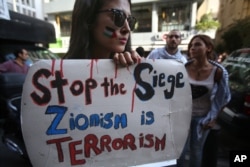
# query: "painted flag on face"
109, 32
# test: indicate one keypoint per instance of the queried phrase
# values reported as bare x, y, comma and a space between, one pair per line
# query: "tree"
207, 22
237, 36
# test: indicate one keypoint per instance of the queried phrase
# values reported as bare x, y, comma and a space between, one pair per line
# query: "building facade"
155, 18
33, 8
23, 24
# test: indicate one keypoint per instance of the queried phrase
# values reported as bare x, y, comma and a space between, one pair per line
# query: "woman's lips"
123, 40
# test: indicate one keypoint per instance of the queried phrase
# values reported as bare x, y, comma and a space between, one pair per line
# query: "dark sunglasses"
119, 18
172, 36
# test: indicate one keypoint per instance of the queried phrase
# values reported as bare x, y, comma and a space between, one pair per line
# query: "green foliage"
207, 22
237, 36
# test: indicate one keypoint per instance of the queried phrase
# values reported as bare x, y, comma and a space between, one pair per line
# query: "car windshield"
35, 55
238, 67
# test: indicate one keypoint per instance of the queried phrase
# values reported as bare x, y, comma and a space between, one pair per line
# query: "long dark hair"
208, 42
83, 17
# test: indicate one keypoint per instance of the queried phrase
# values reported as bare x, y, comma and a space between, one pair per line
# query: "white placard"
95, 113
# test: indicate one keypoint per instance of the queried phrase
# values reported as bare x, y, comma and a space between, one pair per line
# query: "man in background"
18, 64
171, 50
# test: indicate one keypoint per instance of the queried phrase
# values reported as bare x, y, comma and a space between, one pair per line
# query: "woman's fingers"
117, 58
126, 58
135, 56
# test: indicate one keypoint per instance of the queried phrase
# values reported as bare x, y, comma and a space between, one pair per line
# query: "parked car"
10, 96
25, 32
235, 117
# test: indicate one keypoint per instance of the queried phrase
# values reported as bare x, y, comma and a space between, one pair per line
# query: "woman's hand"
126, 58
209, 125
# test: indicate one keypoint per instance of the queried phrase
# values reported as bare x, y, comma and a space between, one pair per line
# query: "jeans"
194, 145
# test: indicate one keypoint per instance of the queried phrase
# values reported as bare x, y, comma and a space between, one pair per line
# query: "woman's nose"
126, 26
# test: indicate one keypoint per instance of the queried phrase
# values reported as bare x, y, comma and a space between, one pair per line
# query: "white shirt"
161, 53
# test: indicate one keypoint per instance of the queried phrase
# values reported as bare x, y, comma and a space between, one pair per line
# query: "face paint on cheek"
109, 32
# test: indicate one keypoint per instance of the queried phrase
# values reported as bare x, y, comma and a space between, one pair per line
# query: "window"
24, 11
143, 14
28, 12
18, 9
174, 16
32, 4
10, 6
64, 20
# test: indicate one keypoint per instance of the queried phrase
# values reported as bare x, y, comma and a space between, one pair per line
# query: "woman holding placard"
101, 30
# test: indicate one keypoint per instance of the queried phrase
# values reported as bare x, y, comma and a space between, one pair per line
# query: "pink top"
12, 66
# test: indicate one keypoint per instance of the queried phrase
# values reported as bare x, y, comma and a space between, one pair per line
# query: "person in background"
140, 51
222, 57
101, 29
210, 93
171, 50
16, 65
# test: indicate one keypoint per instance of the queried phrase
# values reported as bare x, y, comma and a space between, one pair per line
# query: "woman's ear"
209, 49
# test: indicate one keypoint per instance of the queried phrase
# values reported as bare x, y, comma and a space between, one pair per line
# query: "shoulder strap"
218, 75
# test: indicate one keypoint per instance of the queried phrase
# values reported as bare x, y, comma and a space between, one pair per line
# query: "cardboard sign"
95, 113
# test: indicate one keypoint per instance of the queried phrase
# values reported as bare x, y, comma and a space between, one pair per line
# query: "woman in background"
210, 93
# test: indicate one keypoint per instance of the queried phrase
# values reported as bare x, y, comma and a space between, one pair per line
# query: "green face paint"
109, 32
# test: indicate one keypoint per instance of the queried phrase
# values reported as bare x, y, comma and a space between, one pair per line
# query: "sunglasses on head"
119, 18
172, 36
